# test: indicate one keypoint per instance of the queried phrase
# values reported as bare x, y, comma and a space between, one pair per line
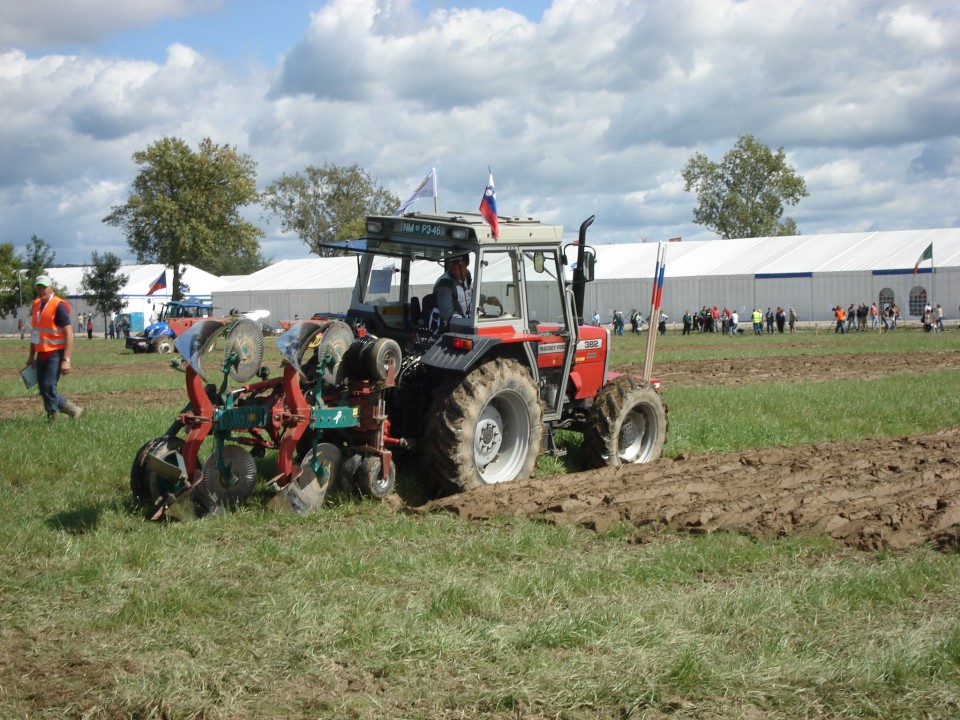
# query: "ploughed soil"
872, 494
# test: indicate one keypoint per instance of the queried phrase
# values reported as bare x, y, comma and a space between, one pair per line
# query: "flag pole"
933, 281
436, 207
654, 318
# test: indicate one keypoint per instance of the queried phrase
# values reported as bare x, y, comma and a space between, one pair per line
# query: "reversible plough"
326, 428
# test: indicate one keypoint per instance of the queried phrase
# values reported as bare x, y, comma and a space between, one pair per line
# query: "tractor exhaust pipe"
580, 277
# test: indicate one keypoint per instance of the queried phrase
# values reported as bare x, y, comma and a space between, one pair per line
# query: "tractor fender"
458, 352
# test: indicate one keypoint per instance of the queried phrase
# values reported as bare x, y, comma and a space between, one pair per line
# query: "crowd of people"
854, 318
116, 329
727, 321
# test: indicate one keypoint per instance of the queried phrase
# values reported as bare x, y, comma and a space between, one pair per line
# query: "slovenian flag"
927, 255
159, 284
488, 207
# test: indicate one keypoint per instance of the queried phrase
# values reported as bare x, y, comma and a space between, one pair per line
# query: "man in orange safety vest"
51, 346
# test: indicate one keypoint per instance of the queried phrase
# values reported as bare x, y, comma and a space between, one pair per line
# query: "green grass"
361, 612
728, 418
674, 346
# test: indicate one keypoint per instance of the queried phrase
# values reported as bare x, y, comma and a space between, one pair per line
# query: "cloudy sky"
580, 107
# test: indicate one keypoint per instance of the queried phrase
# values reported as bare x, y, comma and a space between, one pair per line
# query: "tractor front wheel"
486, 428
627, 424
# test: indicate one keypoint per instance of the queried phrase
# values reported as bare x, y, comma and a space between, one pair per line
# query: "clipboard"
29, 375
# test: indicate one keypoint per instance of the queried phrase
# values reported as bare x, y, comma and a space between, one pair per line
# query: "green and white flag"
927, 255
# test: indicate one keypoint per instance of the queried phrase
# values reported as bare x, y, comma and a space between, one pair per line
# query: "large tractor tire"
484, 429
627, 424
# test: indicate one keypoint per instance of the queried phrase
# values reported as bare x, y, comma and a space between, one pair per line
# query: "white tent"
140, 278
811, 273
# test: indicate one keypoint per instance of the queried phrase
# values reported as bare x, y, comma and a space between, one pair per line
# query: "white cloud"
914, 28
593, 109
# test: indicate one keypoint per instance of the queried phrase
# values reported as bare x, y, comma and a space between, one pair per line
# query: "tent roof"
840, 252
139, 280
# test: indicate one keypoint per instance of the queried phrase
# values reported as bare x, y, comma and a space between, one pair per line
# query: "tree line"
185, 207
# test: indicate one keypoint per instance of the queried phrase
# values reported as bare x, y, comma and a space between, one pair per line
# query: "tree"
237, 264
327, 204
11, 287
744, 195
38, 257
17, 273
184, 206
102, 284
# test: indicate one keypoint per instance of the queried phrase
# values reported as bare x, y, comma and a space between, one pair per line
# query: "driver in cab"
453, 291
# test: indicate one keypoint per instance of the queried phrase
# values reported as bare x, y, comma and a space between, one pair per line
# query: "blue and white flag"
427, 188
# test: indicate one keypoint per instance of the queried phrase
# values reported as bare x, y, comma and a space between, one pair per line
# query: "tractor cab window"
497, 295
382, 289
544, 281
383, 283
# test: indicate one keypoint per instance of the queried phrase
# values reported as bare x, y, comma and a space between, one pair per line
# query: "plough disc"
234, 487
245, 339
332, 340
308, 492
146, 483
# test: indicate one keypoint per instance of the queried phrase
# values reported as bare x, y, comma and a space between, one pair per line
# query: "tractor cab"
520, 301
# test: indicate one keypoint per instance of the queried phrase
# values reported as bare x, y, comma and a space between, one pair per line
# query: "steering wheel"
498, 306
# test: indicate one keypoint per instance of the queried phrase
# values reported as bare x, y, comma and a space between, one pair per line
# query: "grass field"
363, 612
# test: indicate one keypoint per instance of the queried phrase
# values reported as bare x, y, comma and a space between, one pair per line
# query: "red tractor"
475, 395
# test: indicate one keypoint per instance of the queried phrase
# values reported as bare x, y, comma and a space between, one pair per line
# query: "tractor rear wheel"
487, 428
627, 424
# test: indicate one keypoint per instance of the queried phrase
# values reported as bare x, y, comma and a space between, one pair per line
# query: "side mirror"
589, 264
538, 263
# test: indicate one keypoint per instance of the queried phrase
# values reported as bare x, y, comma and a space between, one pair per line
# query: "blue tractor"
176, 317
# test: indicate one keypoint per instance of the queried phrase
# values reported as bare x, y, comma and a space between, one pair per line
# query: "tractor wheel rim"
501, 439
634, 438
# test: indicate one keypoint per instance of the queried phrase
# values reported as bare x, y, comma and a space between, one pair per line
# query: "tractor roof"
190, 302
423, 236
